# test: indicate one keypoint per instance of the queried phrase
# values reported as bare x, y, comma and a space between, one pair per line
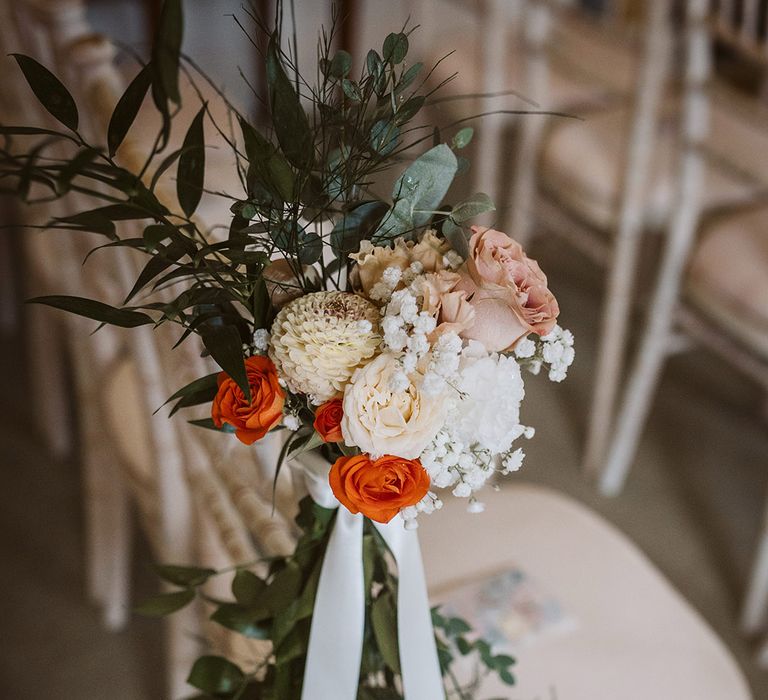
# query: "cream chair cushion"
583, 162
635, 637
728, 277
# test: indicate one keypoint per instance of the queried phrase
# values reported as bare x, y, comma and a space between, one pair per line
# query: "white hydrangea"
491, 390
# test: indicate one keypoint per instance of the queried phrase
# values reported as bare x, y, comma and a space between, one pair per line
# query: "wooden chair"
551, 55
693, 303
194, 506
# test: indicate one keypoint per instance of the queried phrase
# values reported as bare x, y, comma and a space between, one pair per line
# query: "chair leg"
182, 648
108, 526
621, 277
49, 381
756, 600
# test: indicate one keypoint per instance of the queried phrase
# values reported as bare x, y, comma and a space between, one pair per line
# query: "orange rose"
251, 421
328, 421
378, 489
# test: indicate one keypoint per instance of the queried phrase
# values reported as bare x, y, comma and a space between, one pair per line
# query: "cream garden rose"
382, 421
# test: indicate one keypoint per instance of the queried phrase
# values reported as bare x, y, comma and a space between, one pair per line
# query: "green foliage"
49, 91
455, 636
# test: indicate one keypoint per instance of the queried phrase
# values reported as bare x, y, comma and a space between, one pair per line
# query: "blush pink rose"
507, 290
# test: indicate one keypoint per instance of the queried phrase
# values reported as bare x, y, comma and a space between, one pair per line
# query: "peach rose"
378, 489
373, 260
251, 421
507, 289
451, 309
328, 421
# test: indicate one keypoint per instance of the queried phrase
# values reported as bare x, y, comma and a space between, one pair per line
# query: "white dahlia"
320, 339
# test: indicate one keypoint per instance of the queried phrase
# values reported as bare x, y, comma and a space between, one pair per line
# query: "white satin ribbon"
336, 635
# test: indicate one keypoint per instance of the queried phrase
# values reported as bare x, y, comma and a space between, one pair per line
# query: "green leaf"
355, 225
506, 677
127, 108
49, 90
409, 109
74, 167
214, 674
206, 383
310, 247
456, 626
409, 76
190, 176
462, 137
283, 588
384, 135
351, 90
271, 167
247, 587
95, 310
162, 260
456, 237
340, 64
208, 424
395, 48
288, 116
156, 233
475, 205
241, 620
167, 49
463, 646
226, 348
183, 575
166, 603
418, 192
384, 622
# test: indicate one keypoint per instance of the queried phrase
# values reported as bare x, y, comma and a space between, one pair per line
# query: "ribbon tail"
336, 635
419, 664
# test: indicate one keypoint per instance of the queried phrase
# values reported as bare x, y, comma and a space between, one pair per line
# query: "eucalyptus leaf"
190, 176
355, 225
462, 137
165, 604
384, 135
418, 192
214, 674
475, 205
395, 48
127, 108
340, 64
456, 237
96, 310
208, 382
49, 90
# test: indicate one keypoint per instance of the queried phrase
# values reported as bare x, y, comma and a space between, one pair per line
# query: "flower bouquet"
383, 337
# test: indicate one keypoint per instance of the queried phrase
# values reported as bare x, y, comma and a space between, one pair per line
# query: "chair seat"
583, 164
588, 68
728, 277
634, 638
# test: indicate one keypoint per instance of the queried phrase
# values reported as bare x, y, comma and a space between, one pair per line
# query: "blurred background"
641, 192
